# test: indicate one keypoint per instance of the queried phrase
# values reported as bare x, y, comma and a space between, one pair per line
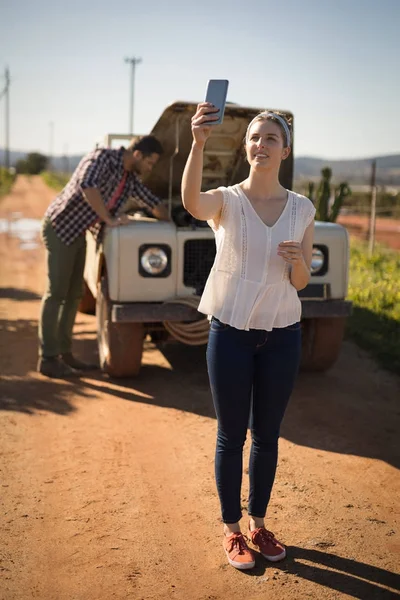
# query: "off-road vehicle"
145, 277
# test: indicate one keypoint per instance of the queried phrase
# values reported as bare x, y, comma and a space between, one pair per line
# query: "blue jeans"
250, 372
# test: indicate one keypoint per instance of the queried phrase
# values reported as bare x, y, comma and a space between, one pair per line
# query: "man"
103, 181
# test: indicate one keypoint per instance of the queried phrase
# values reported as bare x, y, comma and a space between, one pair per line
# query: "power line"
133, 61
6, 93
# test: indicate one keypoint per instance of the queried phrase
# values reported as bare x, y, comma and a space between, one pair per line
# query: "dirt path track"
387, 230
107, 487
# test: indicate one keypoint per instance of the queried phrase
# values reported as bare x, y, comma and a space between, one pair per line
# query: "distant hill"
357, 171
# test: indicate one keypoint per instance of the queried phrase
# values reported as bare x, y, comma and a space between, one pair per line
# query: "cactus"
311, 189
322, 197
341, 193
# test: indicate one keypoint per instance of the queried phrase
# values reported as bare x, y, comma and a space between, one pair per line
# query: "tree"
322, 197
33, 164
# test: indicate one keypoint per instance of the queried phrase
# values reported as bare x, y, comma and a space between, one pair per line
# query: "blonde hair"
280, 119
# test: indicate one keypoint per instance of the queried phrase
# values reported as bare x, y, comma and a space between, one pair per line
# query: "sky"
333, 63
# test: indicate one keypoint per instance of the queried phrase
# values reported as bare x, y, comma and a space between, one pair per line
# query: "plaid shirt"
103, 169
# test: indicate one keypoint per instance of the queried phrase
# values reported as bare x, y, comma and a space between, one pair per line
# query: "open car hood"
224, 158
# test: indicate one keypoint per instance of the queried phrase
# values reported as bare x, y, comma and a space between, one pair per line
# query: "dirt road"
387, 231
107, 487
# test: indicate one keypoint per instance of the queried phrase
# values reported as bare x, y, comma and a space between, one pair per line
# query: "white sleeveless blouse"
249, 286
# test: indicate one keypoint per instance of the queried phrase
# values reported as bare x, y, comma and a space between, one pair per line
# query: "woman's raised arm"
201, 205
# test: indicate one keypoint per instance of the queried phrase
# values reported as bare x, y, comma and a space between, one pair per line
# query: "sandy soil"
387, 230
107, 487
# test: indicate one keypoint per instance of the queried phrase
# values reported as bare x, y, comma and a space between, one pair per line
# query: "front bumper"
315, 309
152, 312
317, 303
315, 300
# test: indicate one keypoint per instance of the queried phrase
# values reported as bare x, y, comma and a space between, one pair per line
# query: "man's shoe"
237, 551
73, 362
268, 545
55, 368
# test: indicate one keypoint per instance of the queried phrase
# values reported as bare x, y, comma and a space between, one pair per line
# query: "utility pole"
372, 221
51, 144
65, 160
133, 61
6, 94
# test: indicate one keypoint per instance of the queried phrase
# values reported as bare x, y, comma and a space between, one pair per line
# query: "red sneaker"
237, 551
267, 543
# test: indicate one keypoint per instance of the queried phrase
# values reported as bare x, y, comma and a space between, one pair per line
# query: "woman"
264, 237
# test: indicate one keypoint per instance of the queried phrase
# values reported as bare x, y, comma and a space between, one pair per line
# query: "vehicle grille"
198, 260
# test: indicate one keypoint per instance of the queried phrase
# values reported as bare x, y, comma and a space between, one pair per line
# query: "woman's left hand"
291, 252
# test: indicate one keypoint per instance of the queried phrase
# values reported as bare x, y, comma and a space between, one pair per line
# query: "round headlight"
317, 261
154, 261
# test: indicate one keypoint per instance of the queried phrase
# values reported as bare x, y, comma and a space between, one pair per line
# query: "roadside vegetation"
55, 180
374, 283
374, 289
332, 199
322, 194
7, 179
33, 164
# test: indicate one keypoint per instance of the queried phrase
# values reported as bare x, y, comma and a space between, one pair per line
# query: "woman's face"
265, 146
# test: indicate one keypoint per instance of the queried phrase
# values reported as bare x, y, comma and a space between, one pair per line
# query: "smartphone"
217, 90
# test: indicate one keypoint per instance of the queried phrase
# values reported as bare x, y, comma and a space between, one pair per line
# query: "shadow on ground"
350, 577
348, 410
330, 571
17, 294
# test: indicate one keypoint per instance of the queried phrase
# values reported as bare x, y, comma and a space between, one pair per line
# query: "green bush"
55, 180
374, 288
7, 178
33, 164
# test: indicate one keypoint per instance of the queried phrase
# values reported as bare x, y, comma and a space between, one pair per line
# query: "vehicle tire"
87, 304
322, 340
120, 344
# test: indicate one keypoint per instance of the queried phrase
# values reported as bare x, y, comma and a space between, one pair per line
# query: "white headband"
273, 116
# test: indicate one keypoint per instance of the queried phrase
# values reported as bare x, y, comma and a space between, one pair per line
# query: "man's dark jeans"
251, 372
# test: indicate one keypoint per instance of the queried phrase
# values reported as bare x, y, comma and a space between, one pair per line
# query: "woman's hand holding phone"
205, 113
